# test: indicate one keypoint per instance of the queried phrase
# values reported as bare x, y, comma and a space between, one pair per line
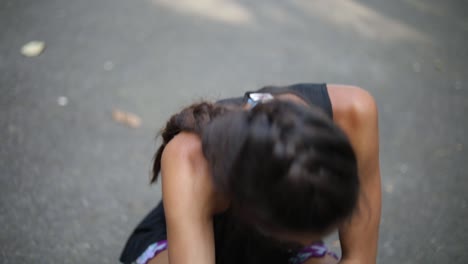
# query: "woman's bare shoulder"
352, 105
183, 162
184, 146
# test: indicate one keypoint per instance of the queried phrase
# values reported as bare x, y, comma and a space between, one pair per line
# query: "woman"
262, 179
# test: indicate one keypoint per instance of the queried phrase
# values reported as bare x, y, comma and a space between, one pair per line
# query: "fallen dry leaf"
126, 118
33, 48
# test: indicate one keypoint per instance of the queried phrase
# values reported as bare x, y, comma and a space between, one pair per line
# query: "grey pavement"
74, 183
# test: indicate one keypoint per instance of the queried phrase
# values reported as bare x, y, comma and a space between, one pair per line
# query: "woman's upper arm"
186, 197
355, 111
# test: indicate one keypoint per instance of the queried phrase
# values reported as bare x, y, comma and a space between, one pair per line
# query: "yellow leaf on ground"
33, 48
126, 118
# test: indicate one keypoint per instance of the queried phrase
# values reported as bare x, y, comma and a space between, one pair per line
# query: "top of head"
283, 165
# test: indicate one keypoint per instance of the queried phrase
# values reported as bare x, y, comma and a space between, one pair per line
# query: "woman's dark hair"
283, 166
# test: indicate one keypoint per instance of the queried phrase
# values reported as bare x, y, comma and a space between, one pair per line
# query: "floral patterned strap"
152, 251
316, 250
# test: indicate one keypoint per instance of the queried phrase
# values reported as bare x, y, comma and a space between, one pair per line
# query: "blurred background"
81, 106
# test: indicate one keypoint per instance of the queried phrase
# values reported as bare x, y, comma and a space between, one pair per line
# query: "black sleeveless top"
153, 227
311, 93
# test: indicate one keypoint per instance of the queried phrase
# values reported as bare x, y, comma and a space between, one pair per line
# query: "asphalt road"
74, 182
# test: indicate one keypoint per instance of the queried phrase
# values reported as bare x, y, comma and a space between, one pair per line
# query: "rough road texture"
73, 182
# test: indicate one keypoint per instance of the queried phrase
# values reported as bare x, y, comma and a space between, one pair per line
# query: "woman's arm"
356, 113
188, 198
